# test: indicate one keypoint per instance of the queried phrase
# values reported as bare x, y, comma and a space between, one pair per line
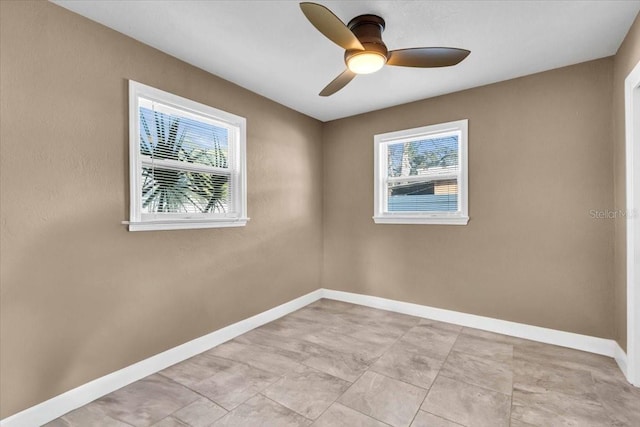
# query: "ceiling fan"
365, 52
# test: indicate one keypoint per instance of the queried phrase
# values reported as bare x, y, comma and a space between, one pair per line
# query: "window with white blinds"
187, 163
421, 175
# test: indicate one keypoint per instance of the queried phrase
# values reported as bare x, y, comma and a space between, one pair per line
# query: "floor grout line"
283, 405
436, 378
194, 391
360, 376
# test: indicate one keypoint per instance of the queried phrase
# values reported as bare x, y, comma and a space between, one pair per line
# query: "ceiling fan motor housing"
368, 29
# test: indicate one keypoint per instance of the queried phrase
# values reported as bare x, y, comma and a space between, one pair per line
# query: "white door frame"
632, 218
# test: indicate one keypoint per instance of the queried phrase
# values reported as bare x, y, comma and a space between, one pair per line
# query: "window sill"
184, 224
418, 219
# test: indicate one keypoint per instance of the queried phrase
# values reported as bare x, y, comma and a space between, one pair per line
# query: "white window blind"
421, 175
187, 163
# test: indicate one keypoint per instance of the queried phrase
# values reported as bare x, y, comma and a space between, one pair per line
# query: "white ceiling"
270, 48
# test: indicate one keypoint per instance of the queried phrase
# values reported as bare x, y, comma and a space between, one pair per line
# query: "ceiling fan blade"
331, 26
338, 83
427, 57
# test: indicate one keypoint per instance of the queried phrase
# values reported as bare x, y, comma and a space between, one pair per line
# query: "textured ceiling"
270, 48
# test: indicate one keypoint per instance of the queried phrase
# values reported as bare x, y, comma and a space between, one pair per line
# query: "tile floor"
337, 364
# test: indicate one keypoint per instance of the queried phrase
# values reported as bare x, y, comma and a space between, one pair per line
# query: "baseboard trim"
620, 357
588, 343
79, 396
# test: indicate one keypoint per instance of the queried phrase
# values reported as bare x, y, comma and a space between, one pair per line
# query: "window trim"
381, 141
236, 124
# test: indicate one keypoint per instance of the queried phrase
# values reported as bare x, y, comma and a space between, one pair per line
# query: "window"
187, 163
421, 175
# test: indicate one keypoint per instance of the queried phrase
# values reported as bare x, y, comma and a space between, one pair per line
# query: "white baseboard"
79, 396
591, 344
621, 359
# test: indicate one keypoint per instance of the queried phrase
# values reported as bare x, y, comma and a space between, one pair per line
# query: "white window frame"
382, 141
237, 128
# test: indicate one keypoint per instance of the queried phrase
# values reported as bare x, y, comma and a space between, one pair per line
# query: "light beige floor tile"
609, 371
326, 318
309, 392
405, 364
467, 404
492, 336
381, 335
431, 341
88, 415
334, 341
288, 326
380, 321
371, 315
260, 411
425, 419
565, 357
201, 413
146, 401
391, 401
551, 408
340, 355
518, 423
235, 385
341, 416
368, 325
170, 422
481, 371
58, 422
196, 369
330, 305
620, 399
441, 325
479, 346
541, 377
259, 356
344, 365
292, 348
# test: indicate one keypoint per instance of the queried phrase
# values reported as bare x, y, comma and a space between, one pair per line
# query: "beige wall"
626, 58
539, 160
81, 296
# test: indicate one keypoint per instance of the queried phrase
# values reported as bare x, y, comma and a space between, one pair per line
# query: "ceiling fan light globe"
366, 62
